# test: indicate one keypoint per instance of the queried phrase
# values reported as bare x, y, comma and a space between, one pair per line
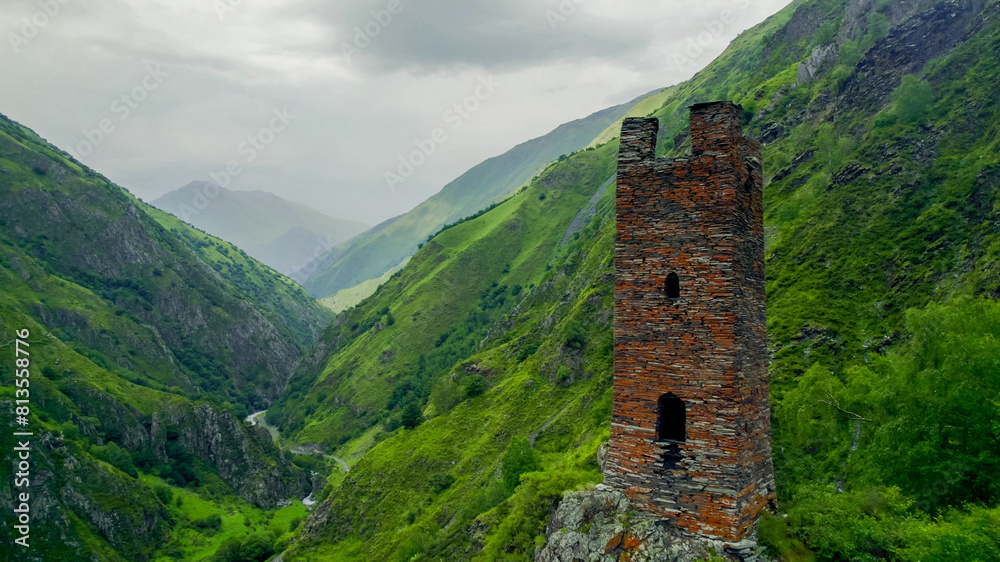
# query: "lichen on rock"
600, 526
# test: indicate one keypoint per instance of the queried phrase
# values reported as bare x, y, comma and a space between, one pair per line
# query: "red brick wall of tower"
700, 218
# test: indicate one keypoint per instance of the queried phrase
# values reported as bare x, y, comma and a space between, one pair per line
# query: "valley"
189, 402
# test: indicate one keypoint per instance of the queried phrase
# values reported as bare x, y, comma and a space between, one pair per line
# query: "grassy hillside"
353, 296
286, 236
372, 254
190, 311
148, 341
473, 388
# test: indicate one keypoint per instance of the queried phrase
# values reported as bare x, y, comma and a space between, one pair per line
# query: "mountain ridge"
372, 254
283, 234
475, 398
148, 340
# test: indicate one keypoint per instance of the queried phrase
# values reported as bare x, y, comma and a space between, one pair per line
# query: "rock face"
821, 58
858, 11
906, 49
600, 526
245, 458
68, 489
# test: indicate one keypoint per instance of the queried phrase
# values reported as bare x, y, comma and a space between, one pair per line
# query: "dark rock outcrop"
600, 526
905, 50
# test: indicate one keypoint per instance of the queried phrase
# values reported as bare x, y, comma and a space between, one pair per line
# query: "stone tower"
691, 432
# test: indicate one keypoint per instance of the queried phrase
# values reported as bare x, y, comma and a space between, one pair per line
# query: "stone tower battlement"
690, 434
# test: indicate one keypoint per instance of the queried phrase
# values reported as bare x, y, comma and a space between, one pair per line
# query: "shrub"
441, 482
518, 459
912, 100
958, 535
476, 385
116, 456
575, 336
256, 548
836, 526
210, 523
412, 416
446, 394
878, 26
164, 494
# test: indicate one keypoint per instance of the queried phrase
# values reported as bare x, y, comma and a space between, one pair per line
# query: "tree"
412, 416
256, 548
445, 394
913, 99
476, 385
518, 459
831, 147
116, 456
922, 418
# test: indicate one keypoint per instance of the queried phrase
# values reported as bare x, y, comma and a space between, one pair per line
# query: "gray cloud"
354, 118
435, 35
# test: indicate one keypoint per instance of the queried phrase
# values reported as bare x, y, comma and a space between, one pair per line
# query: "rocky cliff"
599, 526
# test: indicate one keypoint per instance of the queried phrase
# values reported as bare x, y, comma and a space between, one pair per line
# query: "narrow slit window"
673, 286
671, 418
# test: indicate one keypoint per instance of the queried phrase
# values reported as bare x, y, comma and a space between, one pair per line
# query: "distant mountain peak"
283, 234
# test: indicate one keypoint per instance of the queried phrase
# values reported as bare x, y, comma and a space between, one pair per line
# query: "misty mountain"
284, 235
373, 253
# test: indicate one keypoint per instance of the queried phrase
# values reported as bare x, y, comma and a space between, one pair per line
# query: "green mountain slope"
190, 291
148, 341
375, 252
284, 235
473, 388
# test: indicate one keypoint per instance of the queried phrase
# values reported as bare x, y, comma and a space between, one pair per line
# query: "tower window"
671, 418
673, 286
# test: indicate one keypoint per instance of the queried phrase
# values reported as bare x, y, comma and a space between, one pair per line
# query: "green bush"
476, 385
256, 548
412, 416
576, 338
518, 459
164, 494
849, 54
878, 27
446, 394
958, 535
116, 456
856, 526
209, 523
441, 482
825, 33
524, 516
912, 100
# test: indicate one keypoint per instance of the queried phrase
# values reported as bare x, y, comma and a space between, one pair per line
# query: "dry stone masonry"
690, 436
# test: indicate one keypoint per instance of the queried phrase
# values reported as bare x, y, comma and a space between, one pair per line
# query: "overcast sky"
317, 101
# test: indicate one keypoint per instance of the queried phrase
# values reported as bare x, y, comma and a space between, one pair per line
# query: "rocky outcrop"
905, 50
599, 526
821, 59
244, 457
69, 488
